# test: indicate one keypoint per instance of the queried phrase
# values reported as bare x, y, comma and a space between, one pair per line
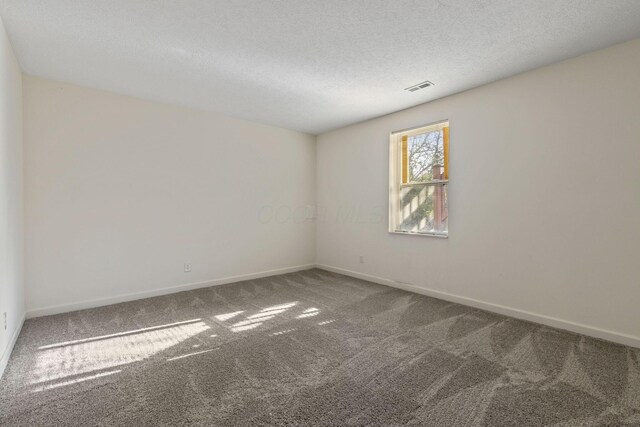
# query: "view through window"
419, 177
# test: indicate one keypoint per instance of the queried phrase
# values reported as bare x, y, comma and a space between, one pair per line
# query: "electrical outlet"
361, 259
187, 268
4, 320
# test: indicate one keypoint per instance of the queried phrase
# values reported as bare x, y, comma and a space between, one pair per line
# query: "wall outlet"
187, 268
361, 259
4, 320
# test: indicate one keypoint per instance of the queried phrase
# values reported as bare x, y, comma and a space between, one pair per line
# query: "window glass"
419, 178
425, 157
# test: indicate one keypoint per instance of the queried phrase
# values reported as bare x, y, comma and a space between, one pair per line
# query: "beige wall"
11, 199
544, 200
121, 193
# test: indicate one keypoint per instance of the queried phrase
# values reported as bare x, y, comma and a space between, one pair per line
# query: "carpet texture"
311, 349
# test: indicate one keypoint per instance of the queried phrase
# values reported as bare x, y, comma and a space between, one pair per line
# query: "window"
418, 180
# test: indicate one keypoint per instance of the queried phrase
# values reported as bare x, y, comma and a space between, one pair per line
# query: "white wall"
121, 192
11, 199
544, 197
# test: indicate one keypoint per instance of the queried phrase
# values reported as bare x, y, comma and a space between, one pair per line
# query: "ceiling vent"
419, 86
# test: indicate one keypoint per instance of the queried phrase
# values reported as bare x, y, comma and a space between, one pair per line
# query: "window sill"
410, 233
426, 183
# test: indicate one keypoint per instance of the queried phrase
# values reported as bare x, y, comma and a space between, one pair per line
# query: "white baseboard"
10, 345
64, 308
554, 322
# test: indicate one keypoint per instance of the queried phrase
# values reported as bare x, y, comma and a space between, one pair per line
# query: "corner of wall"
316, 209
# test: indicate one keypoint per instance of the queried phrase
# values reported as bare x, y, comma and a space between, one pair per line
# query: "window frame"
396, 183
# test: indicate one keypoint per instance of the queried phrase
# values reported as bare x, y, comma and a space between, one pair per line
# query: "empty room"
305, 213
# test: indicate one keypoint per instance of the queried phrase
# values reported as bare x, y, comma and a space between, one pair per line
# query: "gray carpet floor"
311, 349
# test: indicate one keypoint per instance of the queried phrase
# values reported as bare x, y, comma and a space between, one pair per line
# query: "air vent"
419, 86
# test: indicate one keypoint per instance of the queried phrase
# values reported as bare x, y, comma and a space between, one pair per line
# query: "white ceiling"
301, 64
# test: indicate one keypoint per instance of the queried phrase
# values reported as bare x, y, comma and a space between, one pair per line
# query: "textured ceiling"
306, 65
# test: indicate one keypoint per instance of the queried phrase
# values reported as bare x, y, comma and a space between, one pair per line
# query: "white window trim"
395, 176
